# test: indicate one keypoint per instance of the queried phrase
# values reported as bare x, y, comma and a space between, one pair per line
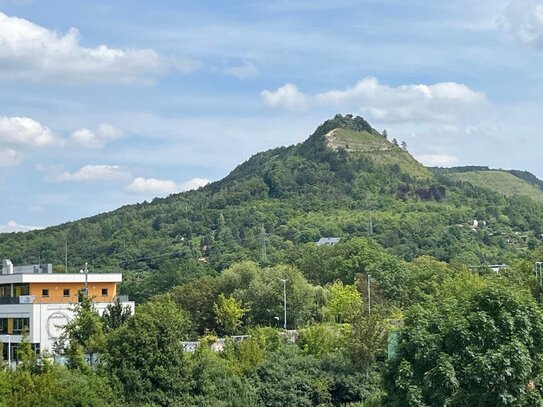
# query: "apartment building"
36, 300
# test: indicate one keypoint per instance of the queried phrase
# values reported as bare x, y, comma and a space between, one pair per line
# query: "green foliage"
115, 315
216, 385
228, 312
84, 333
502, 182
320, 339
366, 338
56, 387
197, 298
480, 351
145, 357
261, 290
343, 302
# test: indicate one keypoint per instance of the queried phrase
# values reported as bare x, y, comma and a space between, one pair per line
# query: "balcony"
22, 299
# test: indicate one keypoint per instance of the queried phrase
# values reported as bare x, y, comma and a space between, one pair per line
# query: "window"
104, 292
45, 292
3, 325
20, 325
66, 292
21, 289
5, 291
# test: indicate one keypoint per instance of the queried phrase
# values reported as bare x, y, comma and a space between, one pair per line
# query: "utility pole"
369, 293
86, 279
66, 255
284, 302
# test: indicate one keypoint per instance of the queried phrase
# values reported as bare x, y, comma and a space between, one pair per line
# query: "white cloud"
523, 20
95, 173
10, 157
98, 138
437, 160
13, 226
30, 51
140, 185
194, 183
287, 97
442, 101
24, 131
247, 70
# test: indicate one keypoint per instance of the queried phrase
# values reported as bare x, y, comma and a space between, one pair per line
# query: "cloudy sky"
107, 103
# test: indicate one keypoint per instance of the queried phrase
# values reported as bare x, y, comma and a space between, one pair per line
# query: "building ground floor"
41, 322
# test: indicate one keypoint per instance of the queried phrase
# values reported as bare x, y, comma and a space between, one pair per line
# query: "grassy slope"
377, 148
501, 182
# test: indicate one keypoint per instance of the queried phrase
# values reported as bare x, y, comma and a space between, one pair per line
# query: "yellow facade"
56, 292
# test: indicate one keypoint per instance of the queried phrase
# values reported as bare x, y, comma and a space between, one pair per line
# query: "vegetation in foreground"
437, 335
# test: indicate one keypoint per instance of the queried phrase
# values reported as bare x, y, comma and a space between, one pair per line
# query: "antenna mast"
66, 255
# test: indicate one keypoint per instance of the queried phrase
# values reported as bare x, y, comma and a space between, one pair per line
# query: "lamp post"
86, 279
284, 301
9, 352
369, 293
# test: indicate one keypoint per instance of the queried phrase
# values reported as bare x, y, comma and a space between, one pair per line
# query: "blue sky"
109, 103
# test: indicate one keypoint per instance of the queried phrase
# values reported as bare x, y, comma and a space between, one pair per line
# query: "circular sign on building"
55, 323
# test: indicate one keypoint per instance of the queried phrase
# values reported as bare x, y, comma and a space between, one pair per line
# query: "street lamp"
9, 351
369, 293
284, 301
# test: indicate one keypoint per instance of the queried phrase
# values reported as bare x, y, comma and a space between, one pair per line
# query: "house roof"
328, 240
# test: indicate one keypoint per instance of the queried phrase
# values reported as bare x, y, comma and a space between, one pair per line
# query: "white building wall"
46, 320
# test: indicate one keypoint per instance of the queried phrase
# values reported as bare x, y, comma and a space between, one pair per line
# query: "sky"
104, 104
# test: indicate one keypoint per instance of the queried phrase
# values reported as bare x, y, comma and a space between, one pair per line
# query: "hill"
506, 182
332, 184
502, 182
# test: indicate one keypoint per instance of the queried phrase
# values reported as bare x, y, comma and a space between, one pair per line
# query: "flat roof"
61, 278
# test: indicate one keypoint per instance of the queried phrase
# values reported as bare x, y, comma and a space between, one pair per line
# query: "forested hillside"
333, 184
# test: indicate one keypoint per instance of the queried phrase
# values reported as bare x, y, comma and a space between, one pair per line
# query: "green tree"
366, 338
83, 334
343, 302
261, 290
484, 350
145, 357
197, 298
115, 315
229, 312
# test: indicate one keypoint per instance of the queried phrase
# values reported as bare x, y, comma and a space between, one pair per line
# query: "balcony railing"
21, 299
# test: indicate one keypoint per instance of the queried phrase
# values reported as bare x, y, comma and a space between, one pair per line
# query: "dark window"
104, 292
66, 292
45, 292
5, 290
21, 289
3, 325
20, 325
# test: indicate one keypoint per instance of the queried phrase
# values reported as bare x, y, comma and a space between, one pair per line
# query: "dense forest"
403, 311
